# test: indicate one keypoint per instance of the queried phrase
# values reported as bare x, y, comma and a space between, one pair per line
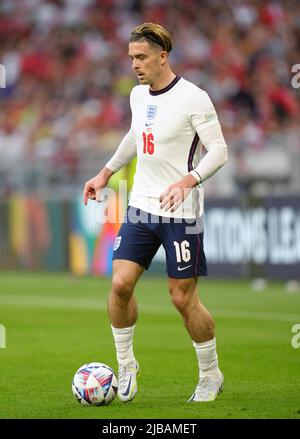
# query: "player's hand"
176, 193
92, 188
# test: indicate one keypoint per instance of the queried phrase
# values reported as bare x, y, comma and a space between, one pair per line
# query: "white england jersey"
166, 134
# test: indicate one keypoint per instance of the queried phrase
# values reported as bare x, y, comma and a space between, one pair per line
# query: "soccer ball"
95, 384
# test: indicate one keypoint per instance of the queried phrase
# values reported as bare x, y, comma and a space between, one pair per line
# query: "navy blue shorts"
141, 235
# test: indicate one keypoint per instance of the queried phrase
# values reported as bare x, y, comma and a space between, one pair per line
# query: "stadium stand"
65, 106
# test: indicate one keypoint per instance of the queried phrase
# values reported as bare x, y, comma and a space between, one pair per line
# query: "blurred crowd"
68, 78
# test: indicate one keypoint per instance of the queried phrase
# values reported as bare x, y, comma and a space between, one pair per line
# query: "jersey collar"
167, 88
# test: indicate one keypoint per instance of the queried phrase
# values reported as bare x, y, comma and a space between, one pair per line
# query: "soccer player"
171, 119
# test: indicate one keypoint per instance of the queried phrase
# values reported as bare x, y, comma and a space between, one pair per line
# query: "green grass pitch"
55, 323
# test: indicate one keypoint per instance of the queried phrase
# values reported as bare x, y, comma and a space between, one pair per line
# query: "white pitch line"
51, 302
96, 305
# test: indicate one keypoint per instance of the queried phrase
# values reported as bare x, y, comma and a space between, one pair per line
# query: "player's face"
147, 61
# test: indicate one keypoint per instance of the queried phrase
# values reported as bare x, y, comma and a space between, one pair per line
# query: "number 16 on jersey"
148, 147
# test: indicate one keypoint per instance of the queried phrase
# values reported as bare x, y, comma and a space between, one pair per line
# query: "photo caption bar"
151, 428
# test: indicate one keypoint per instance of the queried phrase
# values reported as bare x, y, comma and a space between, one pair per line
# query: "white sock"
123, 341
207, 359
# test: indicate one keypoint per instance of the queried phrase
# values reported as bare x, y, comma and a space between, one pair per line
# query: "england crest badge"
151, 112
117, 243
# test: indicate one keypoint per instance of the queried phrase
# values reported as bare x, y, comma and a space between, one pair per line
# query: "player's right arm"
125, 152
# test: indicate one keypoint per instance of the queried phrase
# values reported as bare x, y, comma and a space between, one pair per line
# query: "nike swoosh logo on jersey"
148, 124
183, 268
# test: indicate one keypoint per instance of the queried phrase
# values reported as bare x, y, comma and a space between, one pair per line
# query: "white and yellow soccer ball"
95, 384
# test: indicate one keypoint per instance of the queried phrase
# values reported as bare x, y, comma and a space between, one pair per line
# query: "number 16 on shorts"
183, 253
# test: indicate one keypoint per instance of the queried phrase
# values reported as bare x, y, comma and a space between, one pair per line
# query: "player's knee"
180, 299
121, 287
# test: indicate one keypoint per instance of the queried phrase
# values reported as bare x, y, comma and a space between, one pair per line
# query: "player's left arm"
204, 118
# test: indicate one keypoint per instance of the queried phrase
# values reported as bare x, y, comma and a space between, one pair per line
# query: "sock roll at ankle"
124, 344
207, 358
